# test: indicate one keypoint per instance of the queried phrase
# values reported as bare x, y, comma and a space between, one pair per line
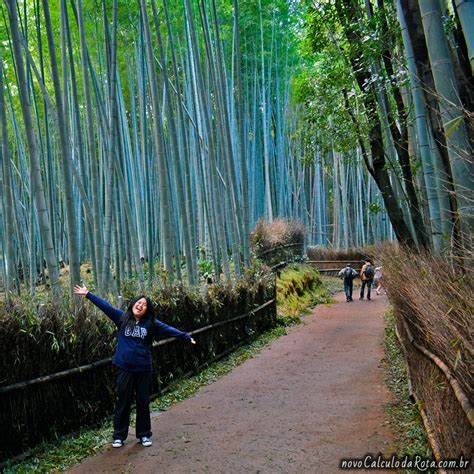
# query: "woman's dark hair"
128, 316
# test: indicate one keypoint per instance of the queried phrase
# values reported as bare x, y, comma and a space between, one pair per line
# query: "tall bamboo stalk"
39, 197
65, 157
7, 196
163, 183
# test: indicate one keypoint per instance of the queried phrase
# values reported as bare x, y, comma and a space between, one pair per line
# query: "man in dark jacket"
348, 274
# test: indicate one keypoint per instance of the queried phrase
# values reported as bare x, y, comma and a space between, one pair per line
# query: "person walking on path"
367, 277
137, 326
378, 276
348, 274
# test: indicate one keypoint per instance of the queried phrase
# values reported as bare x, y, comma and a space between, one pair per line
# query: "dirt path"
311, 398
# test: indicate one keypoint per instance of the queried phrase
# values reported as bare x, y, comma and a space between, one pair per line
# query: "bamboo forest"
188, 149
157, 133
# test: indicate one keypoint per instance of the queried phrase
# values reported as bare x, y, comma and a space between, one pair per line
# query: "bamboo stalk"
7, 196
39, 195
65, 156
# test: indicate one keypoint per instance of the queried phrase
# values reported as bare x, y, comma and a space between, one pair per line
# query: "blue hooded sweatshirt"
134, 341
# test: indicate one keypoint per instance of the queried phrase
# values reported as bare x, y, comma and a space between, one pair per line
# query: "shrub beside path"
309, 399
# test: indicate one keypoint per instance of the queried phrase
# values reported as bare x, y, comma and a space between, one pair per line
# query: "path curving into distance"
309, 399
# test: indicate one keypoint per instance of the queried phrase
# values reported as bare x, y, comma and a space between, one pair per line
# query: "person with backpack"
348, 274
137, 327
367, 277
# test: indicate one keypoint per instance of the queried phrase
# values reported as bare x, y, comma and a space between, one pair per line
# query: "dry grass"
278, 241
271, 235
434, 299
350, 255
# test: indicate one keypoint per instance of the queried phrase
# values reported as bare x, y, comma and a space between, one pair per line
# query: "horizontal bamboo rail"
227, 321
85, 368
463, 399
332, 270
320, 264
55, 376
299, 244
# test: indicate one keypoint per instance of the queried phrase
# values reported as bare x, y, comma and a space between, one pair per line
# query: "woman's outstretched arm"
166, 330
113, 313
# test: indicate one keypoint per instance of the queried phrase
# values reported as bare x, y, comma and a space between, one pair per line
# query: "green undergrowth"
299, 287
405, 418
334, 284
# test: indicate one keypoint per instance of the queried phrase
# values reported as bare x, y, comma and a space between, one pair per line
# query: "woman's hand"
192, 341
80, 290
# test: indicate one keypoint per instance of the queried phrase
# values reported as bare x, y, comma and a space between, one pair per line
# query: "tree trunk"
452, 115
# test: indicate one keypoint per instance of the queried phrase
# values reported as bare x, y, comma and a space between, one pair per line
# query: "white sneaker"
118, 443
146, 442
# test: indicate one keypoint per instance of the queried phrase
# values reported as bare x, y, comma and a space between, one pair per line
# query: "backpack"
369, 272
348, 274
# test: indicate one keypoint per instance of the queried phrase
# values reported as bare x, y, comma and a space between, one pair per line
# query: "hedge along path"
108, 360
308, 400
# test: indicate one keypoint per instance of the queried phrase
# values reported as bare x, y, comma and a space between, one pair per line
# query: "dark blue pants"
348, 287
365, 283
130, 386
